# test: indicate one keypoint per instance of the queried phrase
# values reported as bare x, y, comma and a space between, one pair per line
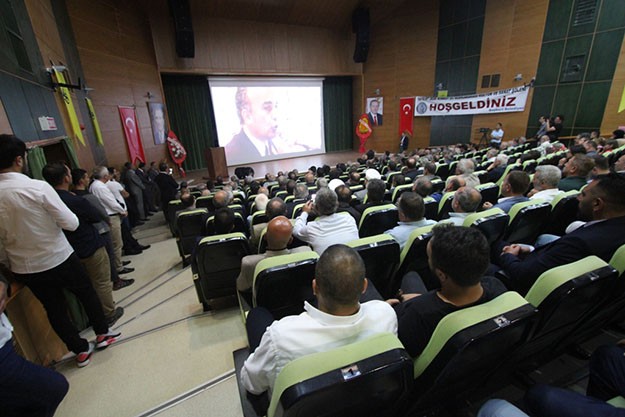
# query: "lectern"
216, 162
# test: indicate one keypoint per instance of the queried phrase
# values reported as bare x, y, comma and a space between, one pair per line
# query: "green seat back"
378, 219
492, 223
380, 254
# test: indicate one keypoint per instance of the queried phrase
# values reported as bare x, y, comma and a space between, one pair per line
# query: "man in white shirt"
339, 320
24, 387
546, 179
329, 228
411, 209
113, 208
496, 136
32, 216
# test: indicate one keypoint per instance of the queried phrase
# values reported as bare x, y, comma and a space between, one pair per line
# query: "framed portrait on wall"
159, 122
375, 110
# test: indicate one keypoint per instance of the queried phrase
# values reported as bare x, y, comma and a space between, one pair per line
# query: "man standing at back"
32, 219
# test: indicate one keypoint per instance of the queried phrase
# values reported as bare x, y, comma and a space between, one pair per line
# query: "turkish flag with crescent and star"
131, 131
406, 114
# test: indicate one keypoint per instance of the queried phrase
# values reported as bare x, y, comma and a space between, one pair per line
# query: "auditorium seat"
380, 254
529, 166
563, 212
444, 206
297, 210
205, 202
527, 221
172, 207
366, 378
216, 265
189, 225
282, 283
240, 225
437, 185
442, 170
492, 223
399, 190
431, 208
564, 296
259, 217
378, 219
414, 258
489, 192
355, 188
465, 349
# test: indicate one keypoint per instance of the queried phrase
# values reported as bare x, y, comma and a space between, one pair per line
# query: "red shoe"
84, 358
105, 340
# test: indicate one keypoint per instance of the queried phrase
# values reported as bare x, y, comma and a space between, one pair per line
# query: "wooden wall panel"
225, 46
401, 63
511, 43
114, 41
611, 118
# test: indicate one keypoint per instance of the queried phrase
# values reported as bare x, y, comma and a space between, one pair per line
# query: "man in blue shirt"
411, 210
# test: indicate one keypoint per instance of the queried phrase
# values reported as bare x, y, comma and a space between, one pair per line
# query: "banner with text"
502, 101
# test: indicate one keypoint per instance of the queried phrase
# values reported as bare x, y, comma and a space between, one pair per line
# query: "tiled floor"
169, 347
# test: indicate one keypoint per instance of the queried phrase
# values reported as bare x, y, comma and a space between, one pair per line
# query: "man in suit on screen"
259, 125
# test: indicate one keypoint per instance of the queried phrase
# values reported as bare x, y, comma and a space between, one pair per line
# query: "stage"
301, 164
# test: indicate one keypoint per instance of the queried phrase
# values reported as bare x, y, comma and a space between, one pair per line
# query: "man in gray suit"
135, 187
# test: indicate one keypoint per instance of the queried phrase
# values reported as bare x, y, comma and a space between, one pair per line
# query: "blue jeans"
27, 389
607, 380
500, 408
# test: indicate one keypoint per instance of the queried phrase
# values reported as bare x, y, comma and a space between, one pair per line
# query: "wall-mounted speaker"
360, 26
185, 41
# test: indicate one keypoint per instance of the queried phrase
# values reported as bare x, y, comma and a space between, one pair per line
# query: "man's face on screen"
260, 116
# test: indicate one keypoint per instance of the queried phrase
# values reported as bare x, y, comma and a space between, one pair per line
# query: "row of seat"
471, 353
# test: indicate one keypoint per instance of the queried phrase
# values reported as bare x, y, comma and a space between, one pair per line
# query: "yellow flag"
94, 121
69, 106
621, 106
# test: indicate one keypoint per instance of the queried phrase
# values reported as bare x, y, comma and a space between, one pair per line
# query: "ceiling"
335, 14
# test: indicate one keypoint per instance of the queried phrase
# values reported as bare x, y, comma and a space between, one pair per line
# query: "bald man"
278, 237
221, 199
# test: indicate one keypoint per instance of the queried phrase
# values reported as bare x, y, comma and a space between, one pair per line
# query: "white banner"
502, 101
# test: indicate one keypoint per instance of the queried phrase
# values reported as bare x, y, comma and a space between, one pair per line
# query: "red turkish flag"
131, 132
406, 114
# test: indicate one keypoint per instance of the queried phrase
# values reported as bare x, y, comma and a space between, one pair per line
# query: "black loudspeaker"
360, 26
185, 41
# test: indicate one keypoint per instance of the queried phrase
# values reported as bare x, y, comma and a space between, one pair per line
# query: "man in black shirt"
555, 128
458, 256
85, 240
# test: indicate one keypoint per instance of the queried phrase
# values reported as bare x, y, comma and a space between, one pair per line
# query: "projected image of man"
256, 107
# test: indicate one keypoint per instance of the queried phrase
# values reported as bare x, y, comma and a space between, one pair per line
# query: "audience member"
465, 201
429, 171
423, 186
602, 205
375, 195
167, 186
575, 172
224, 221
497, 168
546, 179
459, 257
370, 174
412, 171
275, 207
619, 165
465, 169
513, 189
278, 236
601, 166
411, 210
344, 195
45, 261
339, 319
329, 228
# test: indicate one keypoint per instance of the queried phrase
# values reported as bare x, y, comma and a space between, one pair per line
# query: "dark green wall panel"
605, 52
549, 63
612, 15
592, 102
557, 19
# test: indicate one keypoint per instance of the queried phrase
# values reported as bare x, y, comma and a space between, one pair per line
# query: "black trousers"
48, 287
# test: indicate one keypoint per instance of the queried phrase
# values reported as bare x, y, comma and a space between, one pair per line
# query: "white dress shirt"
311, 332
325, 231
456, 218
116, 188
6, 330
402, 231
32, 217
548, 195
106, 197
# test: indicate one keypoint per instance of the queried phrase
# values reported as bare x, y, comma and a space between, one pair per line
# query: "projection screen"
261, 119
